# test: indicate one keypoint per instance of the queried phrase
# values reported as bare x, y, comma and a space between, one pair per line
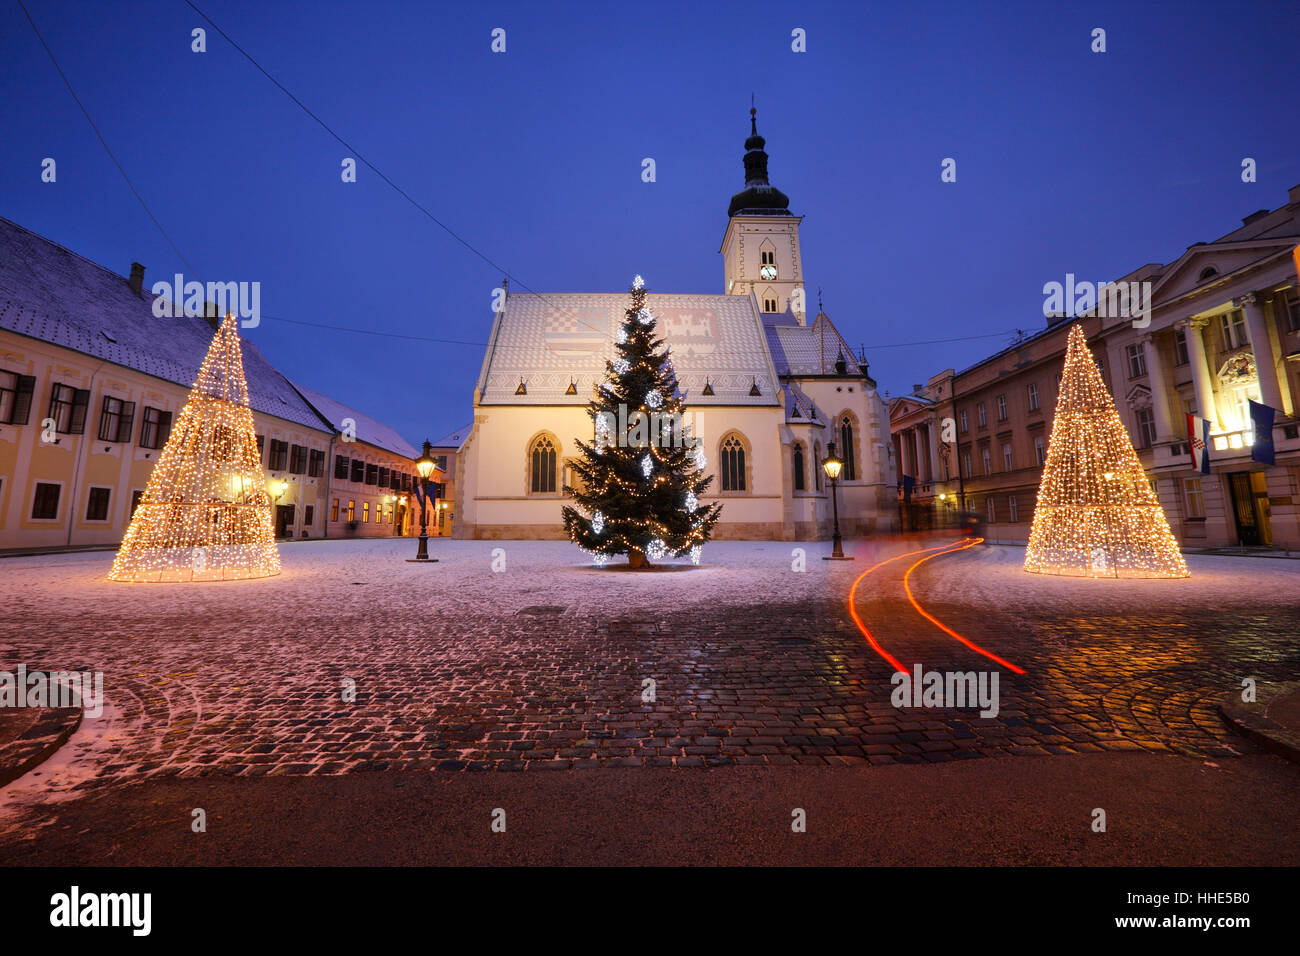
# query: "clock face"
768, 272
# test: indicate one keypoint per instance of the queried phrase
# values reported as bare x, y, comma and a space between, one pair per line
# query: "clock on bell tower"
760, 250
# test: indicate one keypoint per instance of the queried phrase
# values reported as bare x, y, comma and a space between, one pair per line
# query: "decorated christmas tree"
205, 514
1096, 515
641, 478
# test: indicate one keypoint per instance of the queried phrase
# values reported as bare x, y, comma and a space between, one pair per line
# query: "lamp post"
424, 466
832, 466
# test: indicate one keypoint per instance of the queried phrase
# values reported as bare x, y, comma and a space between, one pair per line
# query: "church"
766, 391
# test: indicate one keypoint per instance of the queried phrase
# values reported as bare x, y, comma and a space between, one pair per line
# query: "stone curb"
1252, 720
38, 743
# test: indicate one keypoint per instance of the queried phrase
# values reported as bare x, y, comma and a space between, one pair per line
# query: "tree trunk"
636, 560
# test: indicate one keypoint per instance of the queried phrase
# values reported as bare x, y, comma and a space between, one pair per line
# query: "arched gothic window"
798, 467
732, 464
846, 449
542, 466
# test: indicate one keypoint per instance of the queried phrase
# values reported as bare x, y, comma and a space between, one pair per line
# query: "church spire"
759, 197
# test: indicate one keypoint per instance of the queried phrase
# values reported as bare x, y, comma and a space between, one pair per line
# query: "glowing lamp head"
832, 464
425, 464
280, 488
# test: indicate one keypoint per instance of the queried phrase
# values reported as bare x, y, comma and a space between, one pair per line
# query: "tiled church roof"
806, 349
52, 294
548, 341
800, 408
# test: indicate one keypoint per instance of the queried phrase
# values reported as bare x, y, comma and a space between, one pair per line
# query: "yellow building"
90, 382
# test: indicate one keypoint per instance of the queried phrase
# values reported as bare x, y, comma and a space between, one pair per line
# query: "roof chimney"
1257, 214
1294, 195
137, 278
210, 313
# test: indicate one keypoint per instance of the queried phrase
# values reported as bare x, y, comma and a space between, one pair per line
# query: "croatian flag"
1261, 417
1198, 443
419, 493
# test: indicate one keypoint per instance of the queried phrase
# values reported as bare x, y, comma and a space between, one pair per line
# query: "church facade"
766, 391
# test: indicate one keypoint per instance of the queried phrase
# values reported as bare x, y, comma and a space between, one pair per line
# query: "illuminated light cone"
206, 513
1096, 514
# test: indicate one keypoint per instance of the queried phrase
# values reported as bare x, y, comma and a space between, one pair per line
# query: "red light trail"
929, 553
907, 588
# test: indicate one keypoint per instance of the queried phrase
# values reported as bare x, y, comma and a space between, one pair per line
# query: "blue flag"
1261, 417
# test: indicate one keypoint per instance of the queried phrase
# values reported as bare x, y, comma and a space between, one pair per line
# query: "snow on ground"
756, 662
994, 576
322, 573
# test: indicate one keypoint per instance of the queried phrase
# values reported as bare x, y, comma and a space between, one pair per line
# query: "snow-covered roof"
52, 294
454, 439
806, 349
550, 340
367, 429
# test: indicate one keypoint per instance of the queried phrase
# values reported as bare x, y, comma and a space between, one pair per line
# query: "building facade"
369, 491
765, 390
1223, 329
90, 382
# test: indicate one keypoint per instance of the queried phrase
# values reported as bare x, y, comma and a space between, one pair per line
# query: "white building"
765, 391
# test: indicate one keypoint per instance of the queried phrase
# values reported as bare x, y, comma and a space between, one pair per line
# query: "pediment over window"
1139, 397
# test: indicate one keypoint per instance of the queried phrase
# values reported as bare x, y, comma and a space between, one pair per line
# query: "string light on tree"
633, 484
1097, 514
205, 514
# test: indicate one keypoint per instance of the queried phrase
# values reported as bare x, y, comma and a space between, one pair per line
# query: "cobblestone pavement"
542, 666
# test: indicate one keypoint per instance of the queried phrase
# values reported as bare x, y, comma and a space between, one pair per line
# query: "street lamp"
832, 466
424, 466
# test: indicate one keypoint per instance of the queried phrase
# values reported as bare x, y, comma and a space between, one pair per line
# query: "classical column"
930, 430
1159, 390
905, 443
1206, 407
1269, 391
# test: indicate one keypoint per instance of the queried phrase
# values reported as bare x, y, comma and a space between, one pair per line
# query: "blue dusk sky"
1067, 160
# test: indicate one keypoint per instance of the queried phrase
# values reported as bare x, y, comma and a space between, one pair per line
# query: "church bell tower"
760, 251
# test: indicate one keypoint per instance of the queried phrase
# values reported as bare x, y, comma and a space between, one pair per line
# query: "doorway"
1251, 509
283, 520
